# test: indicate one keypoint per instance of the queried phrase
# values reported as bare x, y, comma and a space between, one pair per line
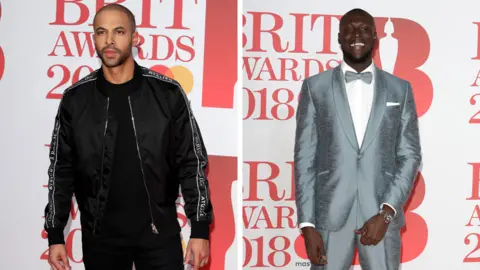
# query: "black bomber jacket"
169, 144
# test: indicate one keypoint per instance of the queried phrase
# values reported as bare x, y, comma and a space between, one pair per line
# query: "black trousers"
156, 253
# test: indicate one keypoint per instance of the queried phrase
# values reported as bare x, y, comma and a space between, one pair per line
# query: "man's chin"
114, 62
111, 63
360, 58
357, 58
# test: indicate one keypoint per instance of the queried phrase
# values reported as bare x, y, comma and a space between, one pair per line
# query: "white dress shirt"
360, 100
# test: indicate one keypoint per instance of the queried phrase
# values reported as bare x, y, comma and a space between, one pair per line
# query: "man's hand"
57, 257
314, 246
200, 250
374, 229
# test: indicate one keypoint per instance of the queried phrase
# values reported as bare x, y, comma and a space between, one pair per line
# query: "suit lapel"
343, 109
378, 109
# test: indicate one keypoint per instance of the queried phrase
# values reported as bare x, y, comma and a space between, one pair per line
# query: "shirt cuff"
200, 230
395, 211
306, 224
55, 236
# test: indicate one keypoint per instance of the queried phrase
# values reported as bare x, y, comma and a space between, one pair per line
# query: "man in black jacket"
124, 141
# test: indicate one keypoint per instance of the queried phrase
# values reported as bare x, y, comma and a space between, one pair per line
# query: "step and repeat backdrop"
45, 46
435, 47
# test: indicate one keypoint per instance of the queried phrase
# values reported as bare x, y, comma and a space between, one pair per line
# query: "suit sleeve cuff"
389, 205
200, 230
55, 236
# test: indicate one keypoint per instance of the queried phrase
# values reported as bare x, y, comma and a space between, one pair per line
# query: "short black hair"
358, 11
118, 7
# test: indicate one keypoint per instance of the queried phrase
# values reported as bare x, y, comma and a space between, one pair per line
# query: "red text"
145, 19
276, 176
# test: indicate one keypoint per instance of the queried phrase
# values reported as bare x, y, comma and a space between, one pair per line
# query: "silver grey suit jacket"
329, 166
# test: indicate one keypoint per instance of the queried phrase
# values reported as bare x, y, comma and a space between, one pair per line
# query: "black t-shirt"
127, 215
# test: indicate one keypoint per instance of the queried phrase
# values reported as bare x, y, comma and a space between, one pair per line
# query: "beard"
114, 62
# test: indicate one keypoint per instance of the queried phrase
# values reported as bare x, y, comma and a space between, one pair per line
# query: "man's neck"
359, 66
119, 74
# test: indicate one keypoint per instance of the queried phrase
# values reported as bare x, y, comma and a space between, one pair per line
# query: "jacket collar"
101, 81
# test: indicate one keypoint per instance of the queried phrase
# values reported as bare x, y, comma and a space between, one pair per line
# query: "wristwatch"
386, 216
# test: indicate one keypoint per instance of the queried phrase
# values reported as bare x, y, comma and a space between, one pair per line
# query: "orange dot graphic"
162, 70
2, 63
184, 77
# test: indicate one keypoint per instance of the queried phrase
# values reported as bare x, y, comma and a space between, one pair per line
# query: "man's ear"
136, 38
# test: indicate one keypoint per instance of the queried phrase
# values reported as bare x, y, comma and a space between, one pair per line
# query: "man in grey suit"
357, 154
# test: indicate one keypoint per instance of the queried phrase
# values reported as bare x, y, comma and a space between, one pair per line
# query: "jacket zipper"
154, 228
101, 168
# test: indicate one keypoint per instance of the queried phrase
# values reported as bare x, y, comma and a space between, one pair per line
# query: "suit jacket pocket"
323, 176
321, 180
323, 172
391, 118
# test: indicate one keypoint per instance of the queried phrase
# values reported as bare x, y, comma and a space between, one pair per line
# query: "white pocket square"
389, 104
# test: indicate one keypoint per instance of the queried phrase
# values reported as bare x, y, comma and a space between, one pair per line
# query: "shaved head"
117, 7
114, 34
356, 12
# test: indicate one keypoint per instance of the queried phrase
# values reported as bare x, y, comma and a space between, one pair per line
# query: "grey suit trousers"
339, 246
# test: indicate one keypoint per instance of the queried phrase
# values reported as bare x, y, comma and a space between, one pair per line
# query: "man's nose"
356, 32
111, 39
